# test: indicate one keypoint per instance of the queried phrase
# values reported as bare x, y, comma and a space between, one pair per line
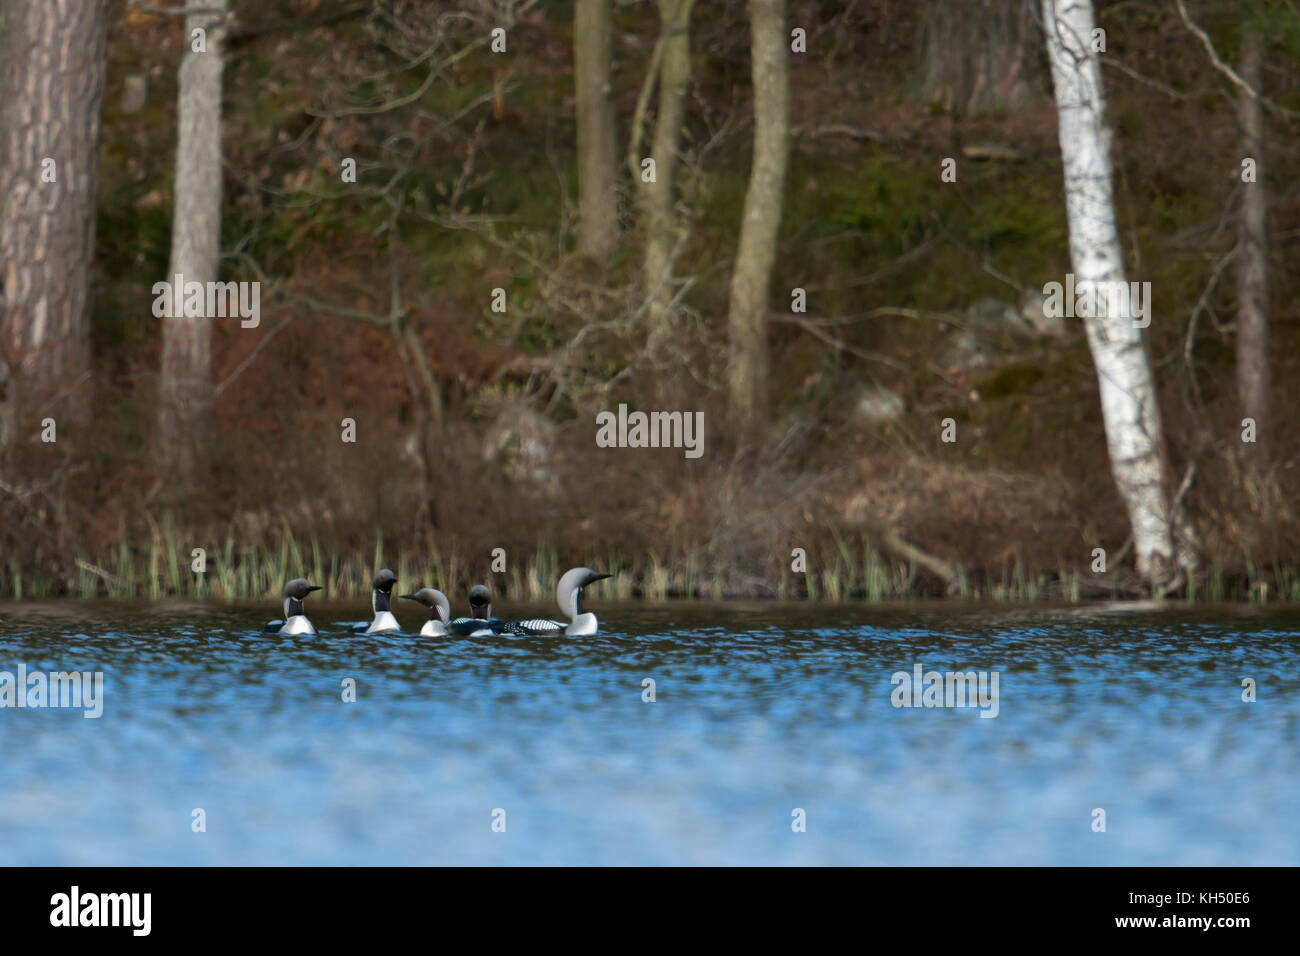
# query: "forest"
967, 298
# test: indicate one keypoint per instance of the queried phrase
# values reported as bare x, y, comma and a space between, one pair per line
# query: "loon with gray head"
568, 594
439, 611
295, 618
379, 598
480, 622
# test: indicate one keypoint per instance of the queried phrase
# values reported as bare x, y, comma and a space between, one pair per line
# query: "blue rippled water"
760, 710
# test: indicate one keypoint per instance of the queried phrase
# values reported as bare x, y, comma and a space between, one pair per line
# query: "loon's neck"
379, 601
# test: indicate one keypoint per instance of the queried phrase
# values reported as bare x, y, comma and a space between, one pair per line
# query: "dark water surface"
760, 709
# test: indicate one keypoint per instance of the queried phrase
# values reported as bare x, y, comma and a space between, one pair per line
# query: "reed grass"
844, 568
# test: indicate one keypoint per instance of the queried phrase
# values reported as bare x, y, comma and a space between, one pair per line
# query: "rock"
966, 349
525, 442
135, 92
879, 404
992, 323
993, 314
1031, 308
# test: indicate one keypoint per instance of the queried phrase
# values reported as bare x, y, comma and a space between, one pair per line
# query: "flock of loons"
480, 623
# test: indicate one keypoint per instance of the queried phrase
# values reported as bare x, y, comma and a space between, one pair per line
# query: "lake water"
760, 710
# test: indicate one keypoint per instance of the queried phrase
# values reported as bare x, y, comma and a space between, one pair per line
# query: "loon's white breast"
433, 628
384, 621
298, 624
295, 617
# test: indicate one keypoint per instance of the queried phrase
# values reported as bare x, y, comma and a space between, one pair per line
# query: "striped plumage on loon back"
439, 611
568, 594
295, 616
480, 623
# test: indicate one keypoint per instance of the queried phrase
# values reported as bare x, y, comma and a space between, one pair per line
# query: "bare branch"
1111, 61
840, 129
1226, 70
278, 288
247, 360
183, 11
815, 329
642, 101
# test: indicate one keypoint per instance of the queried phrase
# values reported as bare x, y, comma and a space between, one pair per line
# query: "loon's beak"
314, 587
599, 577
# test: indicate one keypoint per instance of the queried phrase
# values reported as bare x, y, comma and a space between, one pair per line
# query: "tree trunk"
1128, 394
185, 399
747, 372
657, 198
597, 200
54, 56
1252, 255
978, 54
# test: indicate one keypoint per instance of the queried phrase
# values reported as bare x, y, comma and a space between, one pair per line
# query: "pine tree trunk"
54, 56
978, 54
657, 197
185, 399
1128, 395
597, 200
748, 362
1252, 255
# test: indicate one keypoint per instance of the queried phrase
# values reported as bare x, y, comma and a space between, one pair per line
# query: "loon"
439, 611
295, 618
384, 620
568, 594
480, 622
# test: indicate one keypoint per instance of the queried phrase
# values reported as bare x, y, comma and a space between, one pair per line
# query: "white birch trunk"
1126, 384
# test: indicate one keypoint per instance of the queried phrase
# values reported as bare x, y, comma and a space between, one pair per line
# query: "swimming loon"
379, 598
480, 622
439, 611
568, 594
295, 618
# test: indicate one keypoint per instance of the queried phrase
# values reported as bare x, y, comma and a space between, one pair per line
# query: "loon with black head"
480, 622
295, 617
568, 594
379, 601
439, 611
